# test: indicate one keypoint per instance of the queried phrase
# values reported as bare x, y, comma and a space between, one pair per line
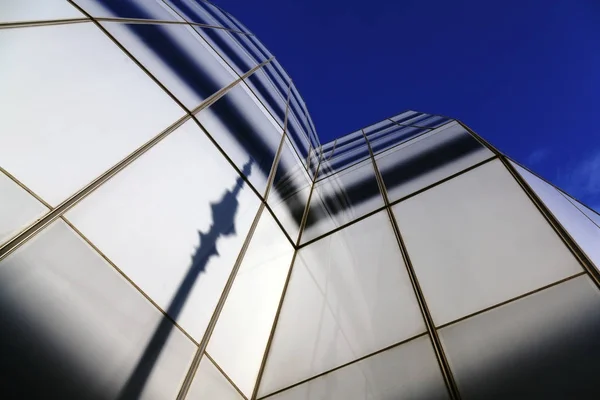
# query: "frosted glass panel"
341, 198
178, 57
210, 384
73, 327
581, 228
477, 240
240, 337
18, 209
544, 346
32, 10
349, 295
77, 106
408, 371
244, 128
143, 9
174, 222
428, 159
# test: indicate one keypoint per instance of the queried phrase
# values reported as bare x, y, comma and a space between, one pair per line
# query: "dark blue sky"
523, 74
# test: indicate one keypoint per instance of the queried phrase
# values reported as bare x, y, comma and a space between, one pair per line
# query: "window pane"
581, 228
18, 209
143, 9
174, 222
73, 328
290, 191
90, 104
209, 383
349, 296
178, 57
477, 240
341, 198
32, 10
428, 159
240, 337
408, 371
244, 129
544, 346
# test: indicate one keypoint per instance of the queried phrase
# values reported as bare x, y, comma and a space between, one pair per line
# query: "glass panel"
290, 191
73, 328
209, 383
349, 296
408, 371
177, 56
428, 159
477, 240
341, 198
193, 11
35, 10
143, 9
90, 104
581, 228
18, 209
405, 116
240, 337
395, 136
174, 222
271, 98
591, 214
245, 130
544, 346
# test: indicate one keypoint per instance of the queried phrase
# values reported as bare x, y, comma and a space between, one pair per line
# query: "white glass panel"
544, 346
290, 191
244, 128
349, 295
209, 384
77, 106
143, 9
73, 327
580, 227
341, 198
240, 336
174, 222
35, 10
428, 159
408, 371
177, 56
18, 208
477, 240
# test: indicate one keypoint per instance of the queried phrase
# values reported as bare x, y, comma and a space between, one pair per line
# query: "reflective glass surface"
142, 9
209, 383
33, 10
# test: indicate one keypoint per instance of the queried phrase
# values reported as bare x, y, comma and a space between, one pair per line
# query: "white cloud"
583, 178
537, 156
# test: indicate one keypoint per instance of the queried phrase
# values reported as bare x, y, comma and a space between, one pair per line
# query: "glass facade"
171, 227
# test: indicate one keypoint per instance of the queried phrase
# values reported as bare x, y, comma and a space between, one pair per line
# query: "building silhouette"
172, 228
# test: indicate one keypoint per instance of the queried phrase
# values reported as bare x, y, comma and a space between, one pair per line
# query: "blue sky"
525, 75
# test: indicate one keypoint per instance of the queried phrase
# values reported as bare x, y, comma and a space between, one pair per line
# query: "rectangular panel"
341, 198
178, 57
245, 131
209, 383
349, 295
581, 228
428, 159
174, 222
35, 10
77, 106
18, 209
272, 99
477, 240
240, 336
142, 9
394, 136
408, 371
290, 191
591, 214
544, 346
73, 327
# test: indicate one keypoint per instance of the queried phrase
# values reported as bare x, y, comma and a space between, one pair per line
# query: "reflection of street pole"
223, 217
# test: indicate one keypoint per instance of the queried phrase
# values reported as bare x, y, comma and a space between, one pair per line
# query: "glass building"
172, 228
